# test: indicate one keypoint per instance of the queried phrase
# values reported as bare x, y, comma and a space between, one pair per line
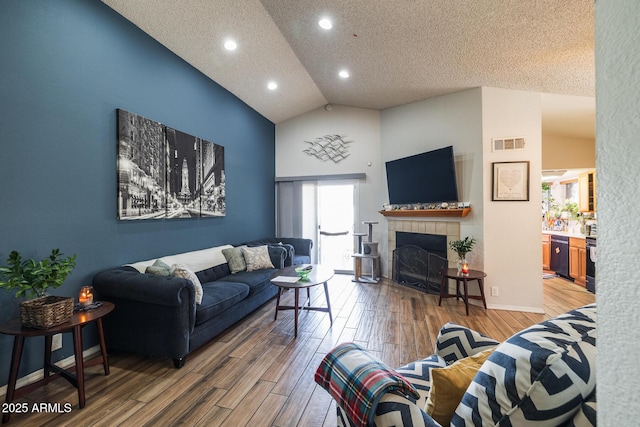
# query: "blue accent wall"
65, 67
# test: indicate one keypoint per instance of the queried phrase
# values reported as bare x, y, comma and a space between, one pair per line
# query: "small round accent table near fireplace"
452, 273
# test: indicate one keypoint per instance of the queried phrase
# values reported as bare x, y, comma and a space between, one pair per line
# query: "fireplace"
418, 251
417, 268
433, 243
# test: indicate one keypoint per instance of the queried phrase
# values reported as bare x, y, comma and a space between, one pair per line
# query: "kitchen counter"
577, 235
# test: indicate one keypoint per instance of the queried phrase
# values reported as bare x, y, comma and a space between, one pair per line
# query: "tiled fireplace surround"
414, 225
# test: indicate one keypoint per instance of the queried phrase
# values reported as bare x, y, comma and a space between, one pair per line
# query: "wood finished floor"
257, 374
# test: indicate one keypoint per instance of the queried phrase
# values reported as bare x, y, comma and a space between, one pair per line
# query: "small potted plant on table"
462, 247
33, 279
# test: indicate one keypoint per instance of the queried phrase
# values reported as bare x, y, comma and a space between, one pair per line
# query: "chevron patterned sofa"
542, 376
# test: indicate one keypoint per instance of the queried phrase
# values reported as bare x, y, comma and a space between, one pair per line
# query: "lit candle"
86, 295
465, 268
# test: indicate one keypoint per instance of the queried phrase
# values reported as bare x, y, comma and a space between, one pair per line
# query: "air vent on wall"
553, 173
507, 144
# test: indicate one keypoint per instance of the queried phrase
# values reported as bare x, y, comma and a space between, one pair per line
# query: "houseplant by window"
32, 279
462, 247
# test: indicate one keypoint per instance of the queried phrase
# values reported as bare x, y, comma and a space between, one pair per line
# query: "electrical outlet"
494, 291
56, 342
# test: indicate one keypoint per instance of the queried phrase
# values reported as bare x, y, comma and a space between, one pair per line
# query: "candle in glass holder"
465, 268
86, 295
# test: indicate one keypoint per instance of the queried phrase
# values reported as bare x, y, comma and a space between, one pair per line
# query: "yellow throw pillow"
449, 384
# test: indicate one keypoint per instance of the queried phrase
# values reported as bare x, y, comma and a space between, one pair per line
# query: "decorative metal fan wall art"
329, 147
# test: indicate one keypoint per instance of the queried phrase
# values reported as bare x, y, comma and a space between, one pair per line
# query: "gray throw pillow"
159, 268
235, 259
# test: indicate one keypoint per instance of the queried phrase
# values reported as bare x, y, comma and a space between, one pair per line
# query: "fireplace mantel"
427, 212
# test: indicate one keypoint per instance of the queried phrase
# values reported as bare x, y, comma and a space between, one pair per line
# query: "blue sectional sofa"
159, 315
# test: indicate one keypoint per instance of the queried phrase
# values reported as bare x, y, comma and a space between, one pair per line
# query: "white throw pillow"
179, 270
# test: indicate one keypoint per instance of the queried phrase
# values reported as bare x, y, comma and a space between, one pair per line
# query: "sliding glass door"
324, 211
336, 218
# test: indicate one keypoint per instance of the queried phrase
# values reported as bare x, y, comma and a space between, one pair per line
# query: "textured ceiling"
397, 51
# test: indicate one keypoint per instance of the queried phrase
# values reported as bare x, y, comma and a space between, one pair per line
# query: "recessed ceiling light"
272, 86
344, 74
325, 23
230, 45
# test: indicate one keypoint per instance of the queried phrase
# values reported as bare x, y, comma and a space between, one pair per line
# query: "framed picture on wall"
166, 173
510, 182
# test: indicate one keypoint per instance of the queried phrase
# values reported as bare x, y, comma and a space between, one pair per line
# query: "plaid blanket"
357, 380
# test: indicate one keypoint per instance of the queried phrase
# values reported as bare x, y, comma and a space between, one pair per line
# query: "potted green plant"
32, 279
462, 247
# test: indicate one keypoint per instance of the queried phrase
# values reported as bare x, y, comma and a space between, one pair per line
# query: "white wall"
435, 123
359, 125
513, 256
617, 154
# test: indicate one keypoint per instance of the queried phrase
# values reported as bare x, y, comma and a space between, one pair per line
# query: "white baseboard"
537, 310
37, 375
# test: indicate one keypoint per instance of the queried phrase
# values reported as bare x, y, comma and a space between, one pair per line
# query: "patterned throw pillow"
455, 342
159, 268
586, 415
179, 270
448, 385
235, 259
538, 377
257, 258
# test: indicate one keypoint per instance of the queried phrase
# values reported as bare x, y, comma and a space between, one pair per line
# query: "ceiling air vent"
507, 144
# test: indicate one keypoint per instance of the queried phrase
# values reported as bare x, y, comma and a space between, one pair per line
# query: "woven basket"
46, 312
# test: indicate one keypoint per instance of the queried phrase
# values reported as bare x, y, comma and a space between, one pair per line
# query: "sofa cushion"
257, 258
448, 385
219, 296
179, 270
235, 259
213, 273
255, 280
540, 376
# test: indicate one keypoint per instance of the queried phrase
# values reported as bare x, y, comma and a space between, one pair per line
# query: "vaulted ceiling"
396, 51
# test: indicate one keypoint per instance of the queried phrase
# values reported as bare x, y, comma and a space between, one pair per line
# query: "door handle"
339, 233
557, 250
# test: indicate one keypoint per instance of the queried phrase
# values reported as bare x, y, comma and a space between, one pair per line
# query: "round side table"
452, 273
74, 325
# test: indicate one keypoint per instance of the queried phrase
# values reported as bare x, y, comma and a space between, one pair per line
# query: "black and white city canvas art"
166, 173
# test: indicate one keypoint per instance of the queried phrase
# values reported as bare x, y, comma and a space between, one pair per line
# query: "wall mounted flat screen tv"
423, 178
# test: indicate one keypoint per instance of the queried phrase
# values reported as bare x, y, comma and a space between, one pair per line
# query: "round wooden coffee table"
284, 279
